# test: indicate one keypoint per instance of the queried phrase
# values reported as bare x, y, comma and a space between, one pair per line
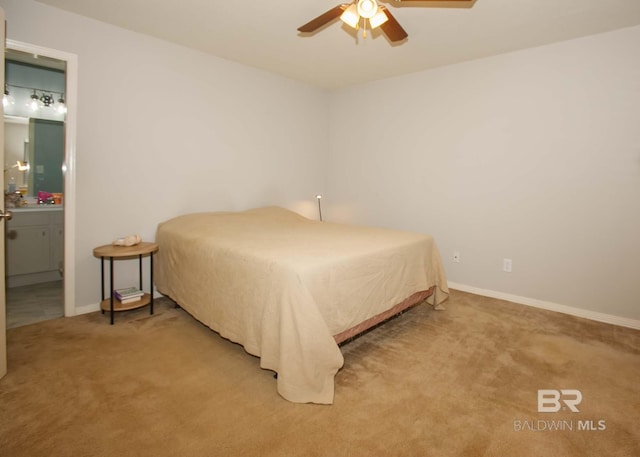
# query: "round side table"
111, 252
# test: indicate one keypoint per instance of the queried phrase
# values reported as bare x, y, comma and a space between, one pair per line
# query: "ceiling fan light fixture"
379, 19
350, 16
367, 8
370, 11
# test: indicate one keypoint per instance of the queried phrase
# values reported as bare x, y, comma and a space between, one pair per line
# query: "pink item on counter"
43, 196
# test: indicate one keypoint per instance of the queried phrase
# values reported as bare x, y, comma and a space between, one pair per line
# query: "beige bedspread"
282, 285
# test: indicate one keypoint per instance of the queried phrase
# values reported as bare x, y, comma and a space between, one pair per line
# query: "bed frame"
349, 334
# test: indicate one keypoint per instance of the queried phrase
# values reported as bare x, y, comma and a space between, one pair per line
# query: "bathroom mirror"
38, 143
34, 123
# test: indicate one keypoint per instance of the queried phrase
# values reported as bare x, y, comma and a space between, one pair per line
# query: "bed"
290, 289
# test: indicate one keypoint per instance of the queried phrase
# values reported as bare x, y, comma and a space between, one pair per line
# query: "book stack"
128, 295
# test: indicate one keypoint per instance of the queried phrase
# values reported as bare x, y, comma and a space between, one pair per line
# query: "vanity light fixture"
35, 104
7, 99
40, 98
61, 107
47, 99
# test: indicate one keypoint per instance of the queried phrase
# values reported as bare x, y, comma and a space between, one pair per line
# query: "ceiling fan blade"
323, 19
433, 3
392, 28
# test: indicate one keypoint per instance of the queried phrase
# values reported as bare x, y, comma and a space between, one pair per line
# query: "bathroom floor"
34, 303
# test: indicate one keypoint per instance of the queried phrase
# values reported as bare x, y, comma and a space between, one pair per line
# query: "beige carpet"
460, 382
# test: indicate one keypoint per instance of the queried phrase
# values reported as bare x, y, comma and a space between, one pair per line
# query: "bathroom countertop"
29, 208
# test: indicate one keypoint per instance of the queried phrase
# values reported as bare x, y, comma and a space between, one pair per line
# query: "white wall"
164, 130
532, 156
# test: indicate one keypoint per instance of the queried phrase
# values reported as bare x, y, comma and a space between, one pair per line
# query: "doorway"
40, 281
35, 111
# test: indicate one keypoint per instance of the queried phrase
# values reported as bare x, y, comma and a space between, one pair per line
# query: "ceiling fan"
372, 14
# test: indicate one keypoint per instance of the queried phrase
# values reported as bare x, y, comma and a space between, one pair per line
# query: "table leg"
140, 270
111, 287
151, 280
101, 282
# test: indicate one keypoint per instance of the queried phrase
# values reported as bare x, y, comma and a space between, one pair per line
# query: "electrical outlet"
506, 265
456, 256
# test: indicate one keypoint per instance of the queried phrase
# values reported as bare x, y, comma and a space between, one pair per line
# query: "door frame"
69, 164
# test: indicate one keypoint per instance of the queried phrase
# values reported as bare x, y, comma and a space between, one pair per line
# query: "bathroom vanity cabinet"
34, 245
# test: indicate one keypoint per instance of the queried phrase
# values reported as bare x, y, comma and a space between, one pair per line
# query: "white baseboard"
87, 309
587, 314
33, 278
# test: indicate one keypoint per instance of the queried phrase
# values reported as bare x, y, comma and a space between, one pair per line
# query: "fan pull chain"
364, 28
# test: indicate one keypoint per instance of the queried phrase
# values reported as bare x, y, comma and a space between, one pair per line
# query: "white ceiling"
263, 33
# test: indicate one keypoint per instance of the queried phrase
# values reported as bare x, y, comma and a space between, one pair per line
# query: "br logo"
551, 400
